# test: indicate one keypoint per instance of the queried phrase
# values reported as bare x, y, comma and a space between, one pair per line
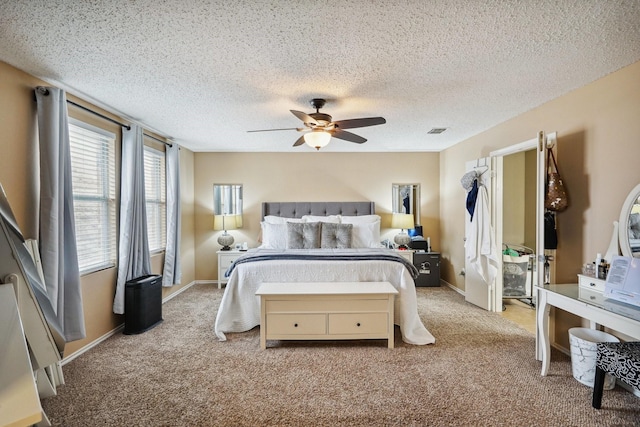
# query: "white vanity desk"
586, 299
588, 304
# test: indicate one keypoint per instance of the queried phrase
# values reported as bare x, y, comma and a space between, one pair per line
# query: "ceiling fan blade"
300, 141
271, 130
348, 136
359, 123
304, 117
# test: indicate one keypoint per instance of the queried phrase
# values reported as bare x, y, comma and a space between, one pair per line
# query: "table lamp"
225, 223
403, 222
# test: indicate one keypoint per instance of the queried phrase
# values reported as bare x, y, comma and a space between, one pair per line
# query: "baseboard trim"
119, 328
455, 288
92, 344
178, 292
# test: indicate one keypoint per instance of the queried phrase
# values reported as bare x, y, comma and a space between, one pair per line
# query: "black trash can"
142, 304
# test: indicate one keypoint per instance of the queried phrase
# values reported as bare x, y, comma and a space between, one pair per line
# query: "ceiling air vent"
437, 130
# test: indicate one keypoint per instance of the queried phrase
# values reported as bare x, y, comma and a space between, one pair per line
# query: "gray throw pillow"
303, 235
335, 236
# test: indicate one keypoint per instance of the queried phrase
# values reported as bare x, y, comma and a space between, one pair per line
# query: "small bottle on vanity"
603, 268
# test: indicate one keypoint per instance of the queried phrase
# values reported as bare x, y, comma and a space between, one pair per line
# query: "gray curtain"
57, 233
133, 246
172, 271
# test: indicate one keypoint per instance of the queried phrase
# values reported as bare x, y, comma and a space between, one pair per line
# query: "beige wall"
309, 176
519, 189
598, 150
513, 191
19, 160
19, 175
530, 185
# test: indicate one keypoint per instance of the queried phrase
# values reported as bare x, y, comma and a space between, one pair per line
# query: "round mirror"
629, 231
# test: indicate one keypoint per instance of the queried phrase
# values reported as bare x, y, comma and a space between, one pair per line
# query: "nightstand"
225, 259
405, 253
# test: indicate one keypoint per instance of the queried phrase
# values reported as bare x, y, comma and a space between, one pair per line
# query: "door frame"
541, 143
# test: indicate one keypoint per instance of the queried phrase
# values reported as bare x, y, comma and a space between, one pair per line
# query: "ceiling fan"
319, 127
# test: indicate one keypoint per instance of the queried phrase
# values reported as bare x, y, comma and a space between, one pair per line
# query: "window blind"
94, 195
155, 194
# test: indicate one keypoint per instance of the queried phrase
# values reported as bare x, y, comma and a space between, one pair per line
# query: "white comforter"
239, 309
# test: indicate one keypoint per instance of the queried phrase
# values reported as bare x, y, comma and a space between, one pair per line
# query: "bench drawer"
358, 323
296, 324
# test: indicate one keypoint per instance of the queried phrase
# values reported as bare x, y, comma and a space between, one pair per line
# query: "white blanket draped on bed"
239, 309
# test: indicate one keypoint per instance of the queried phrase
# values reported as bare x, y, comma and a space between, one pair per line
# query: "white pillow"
274, 236
272, 219
335, 219
361, 219
366, 235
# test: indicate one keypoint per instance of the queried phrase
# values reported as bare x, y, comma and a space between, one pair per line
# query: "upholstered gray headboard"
299, 209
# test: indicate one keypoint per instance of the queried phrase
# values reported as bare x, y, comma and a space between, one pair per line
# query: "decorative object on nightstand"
403, 222
225, 223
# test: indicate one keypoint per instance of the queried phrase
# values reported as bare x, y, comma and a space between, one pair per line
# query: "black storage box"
142, 304
418, 245
428, 265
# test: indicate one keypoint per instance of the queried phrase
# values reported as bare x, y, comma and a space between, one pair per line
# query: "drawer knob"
592, 284
295, 325
358, 324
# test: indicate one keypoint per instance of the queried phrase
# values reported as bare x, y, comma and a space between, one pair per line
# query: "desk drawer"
358, 323
591, 283
296, 324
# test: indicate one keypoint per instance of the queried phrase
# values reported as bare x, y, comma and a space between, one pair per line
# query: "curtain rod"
43, 90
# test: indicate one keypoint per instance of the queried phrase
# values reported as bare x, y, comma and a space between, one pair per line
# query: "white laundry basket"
583, 355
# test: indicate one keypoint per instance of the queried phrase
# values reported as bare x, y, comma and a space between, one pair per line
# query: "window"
155, 193
94, 195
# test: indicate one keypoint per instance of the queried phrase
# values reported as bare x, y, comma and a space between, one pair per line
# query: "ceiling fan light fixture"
317, 138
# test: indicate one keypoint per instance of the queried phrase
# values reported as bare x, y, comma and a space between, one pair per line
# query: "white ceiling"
205, 72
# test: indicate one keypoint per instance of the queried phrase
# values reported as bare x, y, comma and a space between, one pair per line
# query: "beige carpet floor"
480, 372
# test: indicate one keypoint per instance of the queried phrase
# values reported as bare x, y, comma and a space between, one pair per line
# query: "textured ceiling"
205, 72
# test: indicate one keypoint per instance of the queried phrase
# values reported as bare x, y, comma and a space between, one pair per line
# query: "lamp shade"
227, 222
317, 138
402, 221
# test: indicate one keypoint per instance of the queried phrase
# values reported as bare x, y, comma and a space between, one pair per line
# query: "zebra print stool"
620, 359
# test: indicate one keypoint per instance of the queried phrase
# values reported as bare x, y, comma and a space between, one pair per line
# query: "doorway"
490, 295
519, 171
518, 215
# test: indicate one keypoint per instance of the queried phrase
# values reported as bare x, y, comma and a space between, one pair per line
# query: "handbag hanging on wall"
556, 198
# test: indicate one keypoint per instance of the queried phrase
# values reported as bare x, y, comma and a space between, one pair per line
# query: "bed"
345, 253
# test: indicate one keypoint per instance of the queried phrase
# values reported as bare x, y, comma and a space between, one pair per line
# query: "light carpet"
481, 372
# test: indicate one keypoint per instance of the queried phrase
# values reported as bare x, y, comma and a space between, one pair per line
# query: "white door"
477, 291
